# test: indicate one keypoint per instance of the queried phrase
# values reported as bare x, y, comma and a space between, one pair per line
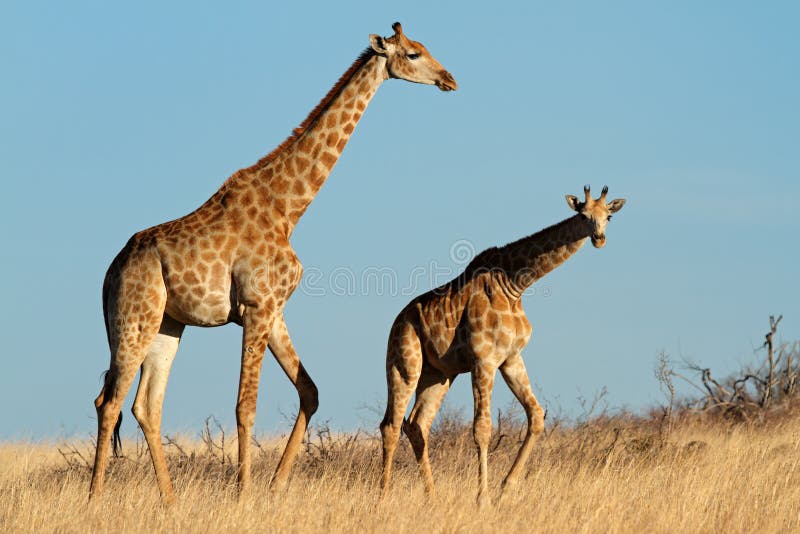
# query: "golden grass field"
609, 475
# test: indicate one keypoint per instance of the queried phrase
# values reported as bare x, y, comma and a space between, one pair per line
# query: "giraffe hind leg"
403, 368
123, 370
131, 329
150, 398
432, 387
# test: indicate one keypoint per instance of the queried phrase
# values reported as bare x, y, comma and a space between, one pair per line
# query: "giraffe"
475, 323
231, 261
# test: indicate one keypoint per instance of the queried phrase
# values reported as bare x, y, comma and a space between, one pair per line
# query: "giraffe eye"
609, 217
412, 56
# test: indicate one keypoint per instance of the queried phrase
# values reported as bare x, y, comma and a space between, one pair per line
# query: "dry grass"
609, 475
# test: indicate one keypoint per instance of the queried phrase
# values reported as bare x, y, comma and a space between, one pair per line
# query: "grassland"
618, 474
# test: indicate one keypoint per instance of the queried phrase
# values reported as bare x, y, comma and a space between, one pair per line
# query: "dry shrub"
762, 392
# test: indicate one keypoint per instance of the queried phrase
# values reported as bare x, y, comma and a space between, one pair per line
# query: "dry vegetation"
698, 465
610, 474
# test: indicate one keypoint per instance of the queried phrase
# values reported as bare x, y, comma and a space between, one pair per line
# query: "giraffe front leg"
257, 323
482, 384
281, 346
515, 375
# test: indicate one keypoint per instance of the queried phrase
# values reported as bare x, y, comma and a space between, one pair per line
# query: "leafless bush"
758, 391
664, 374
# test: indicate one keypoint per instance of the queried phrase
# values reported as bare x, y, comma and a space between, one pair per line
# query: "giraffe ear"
378, 44
616, 205
573, 202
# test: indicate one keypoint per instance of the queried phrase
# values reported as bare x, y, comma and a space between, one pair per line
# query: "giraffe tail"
109, 378
108, 385
116, 440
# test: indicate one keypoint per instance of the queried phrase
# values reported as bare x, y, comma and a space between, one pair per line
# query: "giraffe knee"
107, 414
482, 432
245, 415
144, 416
309, 399
140, 413
386, 425
389, 432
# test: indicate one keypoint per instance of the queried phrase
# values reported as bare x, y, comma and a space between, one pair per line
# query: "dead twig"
70, 455
208, 439
173, 442
768, 343
664, 376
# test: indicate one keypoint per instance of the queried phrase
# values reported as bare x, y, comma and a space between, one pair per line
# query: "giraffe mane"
536, 235
313, 116
487, 259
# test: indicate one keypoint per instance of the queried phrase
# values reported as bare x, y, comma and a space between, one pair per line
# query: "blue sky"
116, 118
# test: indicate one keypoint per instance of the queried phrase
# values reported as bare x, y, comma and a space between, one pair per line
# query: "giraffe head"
410, 60
596, 211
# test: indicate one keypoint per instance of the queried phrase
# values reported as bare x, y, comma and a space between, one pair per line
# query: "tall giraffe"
231, 261
475, 324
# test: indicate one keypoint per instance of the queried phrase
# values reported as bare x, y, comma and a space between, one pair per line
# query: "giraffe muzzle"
446, 82
599, 240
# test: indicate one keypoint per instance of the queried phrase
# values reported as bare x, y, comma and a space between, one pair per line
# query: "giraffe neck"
291, 176
530, 258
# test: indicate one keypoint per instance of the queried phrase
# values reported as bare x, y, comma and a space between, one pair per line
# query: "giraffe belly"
200, 307
462, 353
446, 348
452, 356
453, 362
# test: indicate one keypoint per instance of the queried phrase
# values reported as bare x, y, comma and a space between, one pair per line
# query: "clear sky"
114, 118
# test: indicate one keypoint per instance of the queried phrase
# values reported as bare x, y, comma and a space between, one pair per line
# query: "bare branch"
173, 442
768, 343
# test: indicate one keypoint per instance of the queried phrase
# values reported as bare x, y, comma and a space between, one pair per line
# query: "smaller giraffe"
475, 323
